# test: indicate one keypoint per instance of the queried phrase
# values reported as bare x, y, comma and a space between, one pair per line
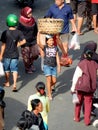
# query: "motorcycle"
24, 3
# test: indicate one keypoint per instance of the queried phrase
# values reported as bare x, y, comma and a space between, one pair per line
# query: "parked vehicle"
24, 3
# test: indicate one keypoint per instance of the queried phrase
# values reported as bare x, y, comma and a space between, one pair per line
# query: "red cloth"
87, 99
65, 61
24, 19
54, 38
94, 1
89, 67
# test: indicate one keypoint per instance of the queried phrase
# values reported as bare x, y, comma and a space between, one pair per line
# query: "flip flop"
14, 89
72, 32
53, 90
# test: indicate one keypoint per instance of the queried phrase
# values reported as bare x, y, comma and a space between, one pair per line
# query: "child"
85, 88
51, 62
11, 40
41, 94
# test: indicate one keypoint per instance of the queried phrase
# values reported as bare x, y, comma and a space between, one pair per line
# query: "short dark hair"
88, 54
35, 103
40, 85
48, 37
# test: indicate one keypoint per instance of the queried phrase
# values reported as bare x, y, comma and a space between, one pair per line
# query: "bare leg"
80, 23
75, 18
61, 47
42, 58
48, 82
53, 82
65, 46
7, 75
15, 75
95, 23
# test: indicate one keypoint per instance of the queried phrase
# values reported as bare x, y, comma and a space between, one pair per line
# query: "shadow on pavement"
13, 110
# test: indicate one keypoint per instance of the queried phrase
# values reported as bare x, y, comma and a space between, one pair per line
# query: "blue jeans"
50, 71
10, 65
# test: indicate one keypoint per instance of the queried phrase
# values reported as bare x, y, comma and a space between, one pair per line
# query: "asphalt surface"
61, 108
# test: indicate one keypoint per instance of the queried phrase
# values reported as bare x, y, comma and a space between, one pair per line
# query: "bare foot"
50, 97
96, 31
80, 33
6, 84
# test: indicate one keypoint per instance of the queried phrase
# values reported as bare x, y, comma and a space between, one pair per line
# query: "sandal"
14, 89
53, 89
72, 32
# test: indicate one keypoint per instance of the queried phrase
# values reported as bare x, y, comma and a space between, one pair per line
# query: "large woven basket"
50, 25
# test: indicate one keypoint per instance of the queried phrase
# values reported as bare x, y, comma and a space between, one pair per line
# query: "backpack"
26, 120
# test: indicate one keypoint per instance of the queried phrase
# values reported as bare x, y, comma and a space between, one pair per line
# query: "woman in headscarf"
28, 26
84, 85
91, 46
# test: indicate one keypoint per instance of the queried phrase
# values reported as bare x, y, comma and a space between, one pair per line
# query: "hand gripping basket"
50, 25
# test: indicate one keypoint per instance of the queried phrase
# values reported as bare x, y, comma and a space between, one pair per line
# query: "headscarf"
24, 19
91, 46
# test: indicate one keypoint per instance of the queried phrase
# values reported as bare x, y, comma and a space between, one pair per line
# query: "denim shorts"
10, 65
50, 71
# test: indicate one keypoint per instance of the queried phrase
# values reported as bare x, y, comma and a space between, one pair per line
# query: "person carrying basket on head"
61, 10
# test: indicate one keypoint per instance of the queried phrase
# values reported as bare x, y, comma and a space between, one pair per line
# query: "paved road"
61, 108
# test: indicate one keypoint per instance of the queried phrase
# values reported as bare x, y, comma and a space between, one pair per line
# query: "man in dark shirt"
11, 39
60, 10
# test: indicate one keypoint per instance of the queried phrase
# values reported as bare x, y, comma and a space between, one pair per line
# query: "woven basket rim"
50, 25
50, 19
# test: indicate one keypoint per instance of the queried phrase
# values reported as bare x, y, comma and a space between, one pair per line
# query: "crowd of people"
25, 34
85, 9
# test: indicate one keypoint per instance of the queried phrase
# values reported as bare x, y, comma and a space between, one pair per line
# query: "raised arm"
39, 41
58, 63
